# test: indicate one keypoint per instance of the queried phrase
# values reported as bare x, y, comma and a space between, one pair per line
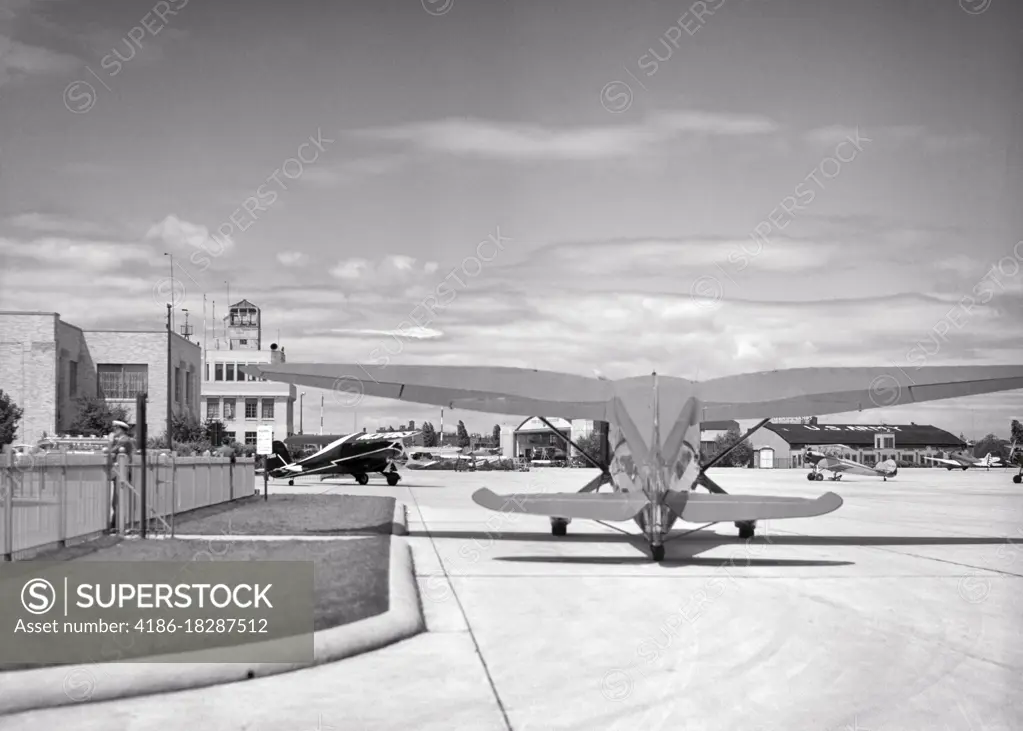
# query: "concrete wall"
28, 370
283, 395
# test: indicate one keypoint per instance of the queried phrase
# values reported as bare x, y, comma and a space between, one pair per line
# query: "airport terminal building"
783, 445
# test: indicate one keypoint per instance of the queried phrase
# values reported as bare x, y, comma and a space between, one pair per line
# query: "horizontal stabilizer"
585, 506
699, 508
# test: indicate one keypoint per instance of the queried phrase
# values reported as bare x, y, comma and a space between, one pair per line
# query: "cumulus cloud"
291, 258
390, 269
181, 234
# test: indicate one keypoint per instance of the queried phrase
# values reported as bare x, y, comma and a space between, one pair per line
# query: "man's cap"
122, 425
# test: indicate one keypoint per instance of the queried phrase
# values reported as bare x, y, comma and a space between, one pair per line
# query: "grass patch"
292, 515
351, 576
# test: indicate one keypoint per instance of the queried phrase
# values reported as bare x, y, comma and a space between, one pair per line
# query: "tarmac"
901, 610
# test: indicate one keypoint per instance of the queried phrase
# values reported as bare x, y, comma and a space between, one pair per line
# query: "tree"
10, 415
496, 435
429, 435
187, 428
996, 446
590, 444
95, 417
463, 435
741, 456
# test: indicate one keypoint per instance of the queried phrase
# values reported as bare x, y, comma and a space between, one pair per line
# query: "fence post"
230, 477
124, 505
7, 490
62, 498
174, 496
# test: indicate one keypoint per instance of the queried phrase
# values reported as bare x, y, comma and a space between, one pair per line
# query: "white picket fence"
50, 500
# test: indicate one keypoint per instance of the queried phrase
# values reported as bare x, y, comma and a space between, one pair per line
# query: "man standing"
120, 443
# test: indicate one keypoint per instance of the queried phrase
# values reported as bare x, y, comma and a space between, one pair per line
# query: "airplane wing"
695, 507
820, 391
944, 461
521, 391
618, 506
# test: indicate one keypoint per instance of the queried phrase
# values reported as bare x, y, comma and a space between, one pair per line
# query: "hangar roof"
853, 435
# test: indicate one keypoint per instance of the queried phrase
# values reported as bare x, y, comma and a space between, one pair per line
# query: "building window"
250, 437
243, 342
218, 372
230, 372
251, 408
268, 408
206, 372
117, 381
188, 388
231, 437
73, 379
228, 409
213, 408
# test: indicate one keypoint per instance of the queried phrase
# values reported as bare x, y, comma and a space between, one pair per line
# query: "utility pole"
321, 416
301, 413
170, 382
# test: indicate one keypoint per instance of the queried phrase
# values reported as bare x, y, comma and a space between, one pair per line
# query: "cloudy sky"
736, 186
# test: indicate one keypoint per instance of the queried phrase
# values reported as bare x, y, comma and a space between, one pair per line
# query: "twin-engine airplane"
837, 466
356, 454
965, 461
654, 427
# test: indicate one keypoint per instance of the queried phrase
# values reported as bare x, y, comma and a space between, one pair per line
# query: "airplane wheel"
362, 479
746, 530
964, 469
810, 477
949, 469
820, 477
291, 483
559, 527
657, 552
392, 478
1017, 479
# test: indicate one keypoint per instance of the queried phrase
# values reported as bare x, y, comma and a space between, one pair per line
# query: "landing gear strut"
747, 529
559, 526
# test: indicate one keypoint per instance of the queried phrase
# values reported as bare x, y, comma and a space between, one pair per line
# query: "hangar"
532, 439
905, 443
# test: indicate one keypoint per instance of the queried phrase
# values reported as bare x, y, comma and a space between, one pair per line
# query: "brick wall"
150, 349
28, 349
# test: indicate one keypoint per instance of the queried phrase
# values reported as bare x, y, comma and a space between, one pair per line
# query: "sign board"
264, 439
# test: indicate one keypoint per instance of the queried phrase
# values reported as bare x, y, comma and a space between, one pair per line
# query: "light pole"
301, 413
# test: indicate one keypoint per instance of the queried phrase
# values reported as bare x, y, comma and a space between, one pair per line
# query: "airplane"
965, 461
838, 466
350, 454
655, 424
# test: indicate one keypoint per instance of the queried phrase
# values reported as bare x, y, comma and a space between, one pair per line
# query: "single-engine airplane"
838, 466
356, 454
965, 461
654, 426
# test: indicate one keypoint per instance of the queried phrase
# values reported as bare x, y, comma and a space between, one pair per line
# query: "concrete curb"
399, 526
27, 690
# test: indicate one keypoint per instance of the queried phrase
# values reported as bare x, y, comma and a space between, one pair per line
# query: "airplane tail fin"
280, 458
889, 467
